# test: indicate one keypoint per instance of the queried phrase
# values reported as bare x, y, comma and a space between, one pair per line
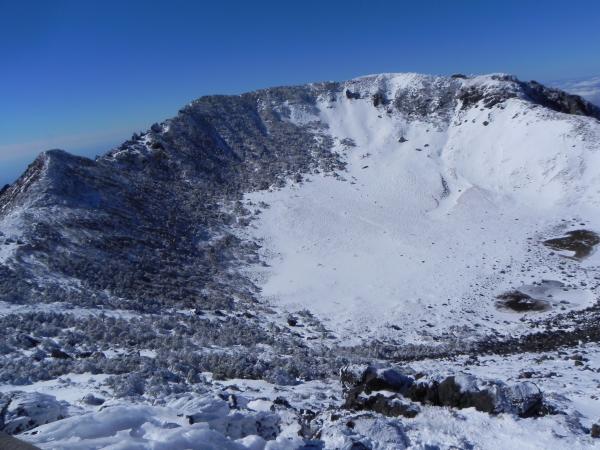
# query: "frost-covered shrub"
128, 386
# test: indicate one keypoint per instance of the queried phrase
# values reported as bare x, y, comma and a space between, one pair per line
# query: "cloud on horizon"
72, 143
15, 157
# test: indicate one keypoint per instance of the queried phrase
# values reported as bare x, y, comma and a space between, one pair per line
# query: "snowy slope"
423, 235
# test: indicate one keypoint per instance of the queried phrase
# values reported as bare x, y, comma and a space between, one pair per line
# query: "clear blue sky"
82, 75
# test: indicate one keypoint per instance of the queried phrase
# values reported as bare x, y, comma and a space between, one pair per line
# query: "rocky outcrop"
359, 382
391, 405
558, 100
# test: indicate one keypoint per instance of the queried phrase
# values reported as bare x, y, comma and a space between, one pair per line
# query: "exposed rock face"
559, 100
388, 405
581, 242
537, 93
458, 391
494, 397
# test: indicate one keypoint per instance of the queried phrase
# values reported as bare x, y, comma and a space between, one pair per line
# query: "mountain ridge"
279, 235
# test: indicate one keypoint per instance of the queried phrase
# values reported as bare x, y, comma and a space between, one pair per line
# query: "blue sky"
83, 75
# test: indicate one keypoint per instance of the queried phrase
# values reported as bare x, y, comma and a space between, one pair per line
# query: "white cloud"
76, 143
588, 88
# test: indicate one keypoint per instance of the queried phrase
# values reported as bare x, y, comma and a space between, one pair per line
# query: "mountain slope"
282, 234
588, 88
438, 224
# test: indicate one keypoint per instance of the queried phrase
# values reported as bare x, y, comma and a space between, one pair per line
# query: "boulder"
359, 382
379, 98
59, 354
22, 411
523, 399
92, 400
367, 378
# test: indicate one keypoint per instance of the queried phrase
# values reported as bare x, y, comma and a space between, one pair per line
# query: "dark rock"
595, 431
495, 397
390, 379
459, 76
306, 416
521, 302
8, 442
379, 98
526, 374
558, 100
580, 242
92, 400
363, 379
292, 321
368, 378
26, 341
282, 401
473, 95
356, 376
450, 393
358, 445
59, 354
352, 95
391, 405
462, 391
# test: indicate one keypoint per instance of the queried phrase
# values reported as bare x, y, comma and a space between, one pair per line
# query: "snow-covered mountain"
335, 265
588, 88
